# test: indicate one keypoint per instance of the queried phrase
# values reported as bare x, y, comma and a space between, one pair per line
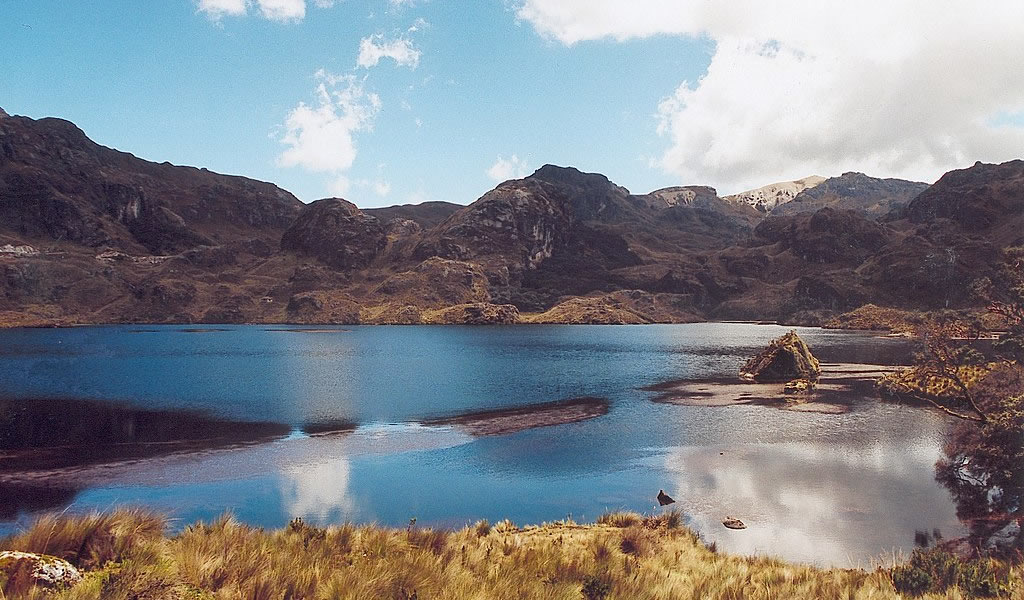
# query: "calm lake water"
832, 489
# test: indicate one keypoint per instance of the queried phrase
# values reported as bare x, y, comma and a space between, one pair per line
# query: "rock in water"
785, 359
21, 570
664, 499
732, 523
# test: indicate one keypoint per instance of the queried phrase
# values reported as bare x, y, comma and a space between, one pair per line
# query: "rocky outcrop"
336, 233
480, 313
435, 283
767, 198
869, 196
785, 359
624, 307
688, 195
324, 306
19, 571
826, 236
981, 200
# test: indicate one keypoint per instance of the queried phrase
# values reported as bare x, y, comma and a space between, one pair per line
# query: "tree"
983, 466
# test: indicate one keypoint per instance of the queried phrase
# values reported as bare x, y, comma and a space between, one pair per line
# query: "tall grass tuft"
624, 556
92, 540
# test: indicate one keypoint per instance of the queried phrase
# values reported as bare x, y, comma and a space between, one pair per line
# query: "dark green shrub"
937, 570
595, 588
911, 581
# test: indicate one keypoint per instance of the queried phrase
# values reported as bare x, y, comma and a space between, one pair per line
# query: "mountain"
57, 185
983, 200
854, 191
92, 235
766, 198
425, 215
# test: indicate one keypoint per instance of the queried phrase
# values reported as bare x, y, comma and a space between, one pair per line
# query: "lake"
384, 424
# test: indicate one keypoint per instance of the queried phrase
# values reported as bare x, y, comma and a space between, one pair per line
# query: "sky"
401, 101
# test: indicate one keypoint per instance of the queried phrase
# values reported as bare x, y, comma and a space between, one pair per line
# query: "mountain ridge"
89, 234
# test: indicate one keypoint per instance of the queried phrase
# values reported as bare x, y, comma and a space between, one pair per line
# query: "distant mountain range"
92, 235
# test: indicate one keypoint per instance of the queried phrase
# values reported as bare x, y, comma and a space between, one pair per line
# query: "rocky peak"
766, 198
984, 198
3, 113
686, 195
854, 191
337, 233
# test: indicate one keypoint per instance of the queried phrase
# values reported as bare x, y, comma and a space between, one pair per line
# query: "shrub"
595, 588
937, 570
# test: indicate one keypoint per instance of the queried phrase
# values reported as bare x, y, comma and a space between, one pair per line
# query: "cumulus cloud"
374, 48
504, 169
275, 10
320, 137
907, 88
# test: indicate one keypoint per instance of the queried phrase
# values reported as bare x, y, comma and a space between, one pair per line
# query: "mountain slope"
766, 198
58, 185
854, 191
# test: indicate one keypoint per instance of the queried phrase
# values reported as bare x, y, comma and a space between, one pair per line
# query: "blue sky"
394, 101
166, 82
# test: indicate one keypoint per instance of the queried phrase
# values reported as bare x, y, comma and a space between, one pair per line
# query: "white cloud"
320, 137
283, 10
275, 10
374, 48
382, 188
905, 88
215, 9
504, 169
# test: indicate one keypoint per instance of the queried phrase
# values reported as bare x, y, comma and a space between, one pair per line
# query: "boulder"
21, 570
785, 359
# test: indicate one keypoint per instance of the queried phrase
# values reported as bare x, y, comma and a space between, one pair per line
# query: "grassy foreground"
126, 555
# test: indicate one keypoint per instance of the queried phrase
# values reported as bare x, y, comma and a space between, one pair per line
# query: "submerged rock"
21, 570
785, 359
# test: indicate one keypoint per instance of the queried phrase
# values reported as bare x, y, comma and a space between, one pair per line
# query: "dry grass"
622, 556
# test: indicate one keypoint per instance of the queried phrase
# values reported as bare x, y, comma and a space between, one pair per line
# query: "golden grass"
622, 556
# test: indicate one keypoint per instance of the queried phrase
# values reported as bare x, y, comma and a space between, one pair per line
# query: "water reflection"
319, 492
809, 502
